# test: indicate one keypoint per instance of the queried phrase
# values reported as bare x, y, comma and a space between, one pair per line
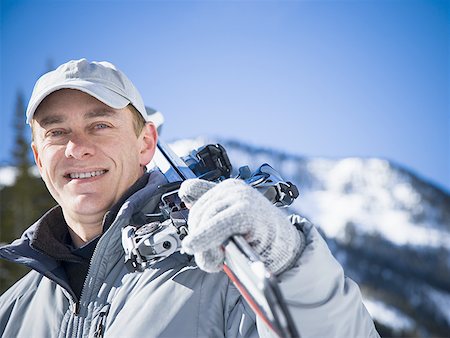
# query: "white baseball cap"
101, 80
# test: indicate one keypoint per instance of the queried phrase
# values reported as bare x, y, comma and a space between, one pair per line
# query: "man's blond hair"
138, 120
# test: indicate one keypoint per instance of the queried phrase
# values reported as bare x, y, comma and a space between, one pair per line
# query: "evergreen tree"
23, 202
21, 156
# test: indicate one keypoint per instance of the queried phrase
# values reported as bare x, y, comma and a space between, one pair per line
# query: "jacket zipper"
89, 272
99, 331
76, 307
78, 303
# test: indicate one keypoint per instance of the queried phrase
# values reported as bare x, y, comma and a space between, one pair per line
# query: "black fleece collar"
52, 237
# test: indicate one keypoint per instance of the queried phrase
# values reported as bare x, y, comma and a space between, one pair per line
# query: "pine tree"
23, 202
21, 156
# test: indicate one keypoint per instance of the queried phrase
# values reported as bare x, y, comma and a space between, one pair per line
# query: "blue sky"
315, 78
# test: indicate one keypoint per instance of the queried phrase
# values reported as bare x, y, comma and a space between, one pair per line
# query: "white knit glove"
219, 211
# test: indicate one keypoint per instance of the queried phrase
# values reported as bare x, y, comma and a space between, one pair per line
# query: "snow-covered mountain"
389, 229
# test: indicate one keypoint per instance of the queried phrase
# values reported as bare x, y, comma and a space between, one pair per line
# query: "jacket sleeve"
322, 300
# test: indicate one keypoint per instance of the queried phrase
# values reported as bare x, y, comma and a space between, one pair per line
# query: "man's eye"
101, 126
55, 133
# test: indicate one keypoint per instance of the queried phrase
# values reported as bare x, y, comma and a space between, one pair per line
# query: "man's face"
88, 153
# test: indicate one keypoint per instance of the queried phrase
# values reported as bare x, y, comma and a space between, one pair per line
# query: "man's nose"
79, 147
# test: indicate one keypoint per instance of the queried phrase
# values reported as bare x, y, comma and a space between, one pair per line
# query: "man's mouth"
83, 175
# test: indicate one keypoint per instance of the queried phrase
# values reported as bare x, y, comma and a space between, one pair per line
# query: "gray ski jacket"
173, 297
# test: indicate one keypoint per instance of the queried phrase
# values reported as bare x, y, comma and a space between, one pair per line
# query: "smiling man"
88, 156
92, 141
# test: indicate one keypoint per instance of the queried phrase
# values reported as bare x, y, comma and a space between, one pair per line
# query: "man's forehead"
66, 100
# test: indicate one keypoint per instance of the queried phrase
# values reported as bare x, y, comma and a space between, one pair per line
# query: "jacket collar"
44, 244
51, 235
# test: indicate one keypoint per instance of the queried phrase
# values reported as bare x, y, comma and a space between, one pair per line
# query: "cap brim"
101, 93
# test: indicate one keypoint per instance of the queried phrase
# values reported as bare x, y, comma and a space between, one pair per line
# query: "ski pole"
257, 286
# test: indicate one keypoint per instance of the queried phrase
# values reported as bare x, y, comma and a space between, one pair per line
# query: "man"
92, 140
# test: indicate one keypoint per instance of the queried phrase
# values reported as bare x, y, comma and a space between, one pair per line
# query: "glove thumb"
192, 189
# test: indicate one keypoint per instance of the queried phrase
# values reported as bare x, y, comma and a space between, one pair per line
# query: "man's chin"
89, 205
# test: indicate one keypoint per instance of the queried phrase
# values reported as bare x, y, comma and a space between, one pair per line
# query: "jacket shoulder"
27, 285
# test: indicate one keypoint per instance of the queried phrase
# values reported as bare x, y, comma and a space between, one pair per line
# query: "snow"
441, 301
184, 147
7, 176
389, 315
371, 196
332, 212
406, 193
35, 171
289, 169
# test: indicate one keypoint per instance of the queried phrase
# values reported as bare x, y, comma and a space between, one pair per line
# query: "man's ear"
148, 139
37, 159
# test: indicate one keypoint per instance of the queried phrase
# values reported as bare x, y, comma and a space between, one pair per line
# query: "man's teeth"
88, 174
